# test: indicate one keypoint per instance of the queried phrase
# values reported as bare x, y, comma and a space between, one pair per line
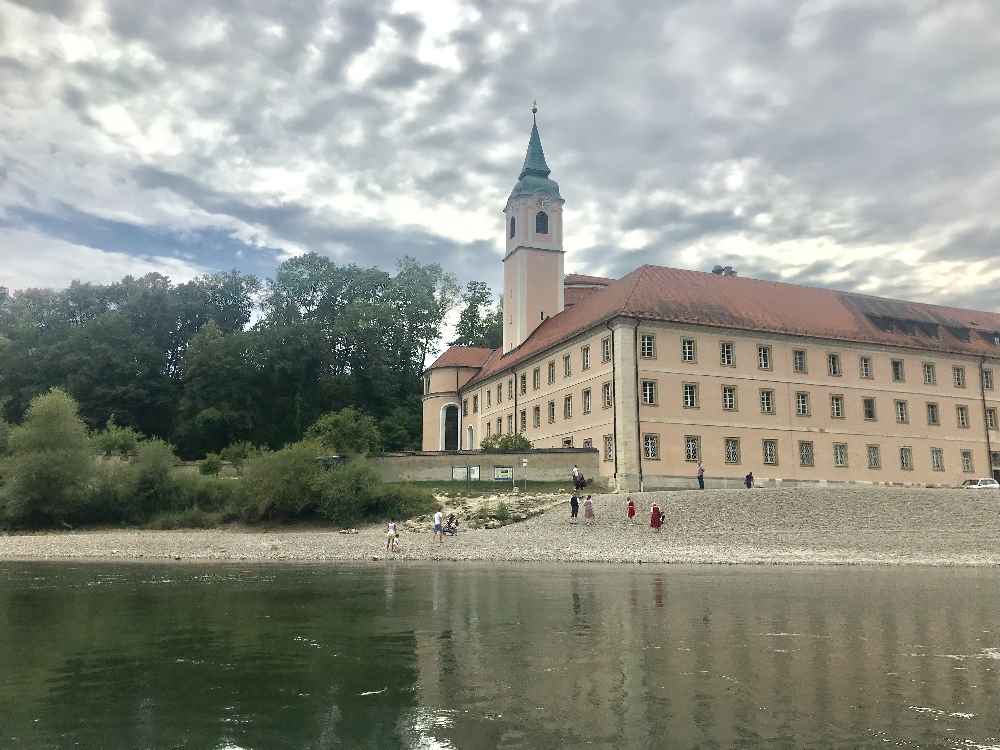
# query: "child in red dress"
655, 518
631, 511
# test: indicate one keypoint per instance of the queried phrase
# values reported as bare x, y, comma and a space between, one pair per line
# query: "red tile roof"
574, 279
574, 295
694, 297
462, 356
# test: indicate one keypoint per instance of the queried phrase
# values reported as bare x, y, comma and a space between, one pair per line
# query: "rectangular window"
874, 457
499, 426
690, 396
729, 397
937, 459
930, 373
651, 447
586, 401
764, 357
802, 404
606, 349
837, 407
958, 376
536, 417
692, 448
499, 393
840, 455
865, 367
427, 384
567, 366
898, 371
906, 458
475, 404
727, 354
552, 412
523, 383
552, 372
607, 395
962, 416
489, 428
800, 363
833, 365
770, 452
807, 455
524, 420
588, 443
510, 424
649, 391
489, 397
933, 416
536, 378
902, 412
647, 346
732, 450
987, 379
585, 358
967, 466
688, 351
510, 389
991, 418
567, 442
609, 447
568, 407
868, 409
767, 401
465, 407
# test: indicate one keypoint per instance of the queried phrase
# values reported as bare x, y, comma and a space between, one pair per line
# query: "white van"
980, 484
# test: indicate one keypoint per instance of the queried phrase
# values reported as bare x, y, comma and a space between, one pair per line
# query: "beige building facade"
665, 369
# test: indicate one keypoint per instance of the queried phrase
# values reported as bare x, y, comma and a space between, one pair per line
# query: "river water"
477, 656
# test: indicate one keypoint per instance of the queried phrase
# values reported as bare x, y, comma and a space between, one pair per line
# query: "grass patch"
192, 518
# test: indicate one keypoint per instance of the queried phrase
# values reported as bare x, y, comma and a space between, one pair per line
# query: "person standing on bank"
655, 518
701, 476
438, 530
588, 510
574, 507
748, 480
630, 510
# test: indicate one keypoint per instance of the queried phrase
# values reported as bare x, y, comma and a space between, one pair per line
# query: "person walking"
391, 536
588, 510
655, 518
748, 480
701, 476
438, 530
574, 507
630, 510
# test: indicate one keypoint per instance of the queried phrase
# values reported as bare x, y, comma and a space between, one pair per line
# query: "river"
487, 656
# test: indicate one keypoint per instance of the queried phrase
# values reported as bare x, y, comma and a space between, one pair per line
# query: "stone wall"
544, 465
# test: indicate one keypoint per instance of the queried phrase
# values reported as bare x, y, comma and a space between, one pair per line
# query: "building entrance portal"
451, 428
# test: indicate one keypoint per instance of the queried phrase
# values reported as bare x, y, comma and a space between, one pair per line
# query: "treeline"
230, 358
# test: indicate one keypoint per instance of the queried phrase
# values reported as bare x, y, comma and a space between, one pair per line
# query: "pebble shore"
851, 525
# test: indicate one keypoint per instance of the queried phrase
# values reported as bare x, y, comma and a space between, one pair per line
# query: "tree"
346, 432
479, 324
51, 461
116, 439
505, 443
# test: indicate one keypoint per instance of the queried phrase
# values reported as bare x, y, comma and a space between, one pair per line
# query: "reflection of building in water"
572, 659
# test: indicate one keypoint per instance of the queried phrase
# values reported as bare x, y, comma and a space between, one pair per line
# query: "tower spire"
534, 159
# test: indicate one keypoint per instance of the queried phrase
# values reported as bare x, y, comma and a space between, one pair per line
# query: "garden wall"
544, 465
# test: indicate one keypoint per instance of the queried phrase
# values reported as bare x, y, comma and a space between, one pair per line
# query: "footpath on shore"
848, 525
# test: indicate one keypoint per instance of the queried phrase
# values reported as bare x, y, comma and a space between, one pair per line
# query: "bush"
503, 512
514, 443
4, 437
211, 465
354, 492
51, 462
239, 453
153, 487
280, 485
116, 439
192, 518
347, 432
215, 494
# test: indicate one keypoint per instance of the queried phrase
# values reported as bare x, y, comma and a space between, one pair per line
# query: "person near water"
655, 518
701, 476
391, 536
438, 531
630, 510
748, 480
588, 510
574, 507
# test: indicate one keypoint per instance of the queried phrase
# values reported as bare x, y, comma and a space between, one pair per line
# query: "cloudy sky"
834, 143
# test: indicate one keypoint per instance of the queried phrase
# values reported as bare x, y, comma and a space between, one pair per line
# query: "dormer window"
512, 227
541, 223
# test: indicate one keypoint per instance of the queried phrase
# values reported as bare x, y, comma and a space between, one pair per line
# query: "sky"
830, 143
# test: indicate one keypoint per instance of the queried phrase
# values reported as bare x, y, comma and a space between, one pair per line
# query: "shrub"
279, 485
505, 443
211, 465
216, 494
4, 437
51, 461
239, 453
503, 512
109, 497
153, 487
116, 439
191, 518
354, 492
347, 432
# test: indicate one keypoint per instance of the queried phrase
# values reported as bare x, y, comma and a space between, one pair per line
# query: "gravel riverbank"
842, 525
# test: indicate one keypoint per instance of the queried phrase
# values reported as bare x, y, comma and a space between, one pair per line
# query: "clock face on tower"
544, 202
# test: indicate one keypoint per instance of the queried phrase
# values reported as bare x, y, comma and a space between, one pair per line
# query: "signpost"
524, 470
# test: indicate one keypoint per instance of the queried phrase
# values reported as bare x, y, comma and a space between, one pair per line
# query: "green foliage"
503, 512
280, 485
191, 518
4, 437
239, 453
51, 462
354, 492
152, 482
116, 439
505, 443
346, 432
479, 323
211, 465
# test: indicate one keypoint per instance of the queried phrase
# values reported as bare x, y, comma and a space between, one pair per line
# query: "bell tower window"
541, 223
512, 228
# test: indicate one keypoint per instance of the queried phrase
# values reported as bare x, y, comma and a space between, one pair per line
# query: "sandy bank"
869, 525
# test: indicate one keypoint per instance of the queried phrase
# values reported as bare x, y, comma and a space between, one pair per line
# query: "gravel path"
854, 525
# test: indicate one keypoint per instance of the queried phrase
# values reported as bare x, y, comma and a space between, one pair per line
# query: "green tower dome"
534, 177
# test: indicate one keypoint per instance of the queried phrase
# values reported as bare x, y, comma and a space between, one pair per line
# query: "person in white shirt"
438, 532
391, 536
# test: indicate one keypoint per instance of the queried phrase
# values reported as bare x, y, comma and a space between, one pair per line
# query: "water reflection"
519, 657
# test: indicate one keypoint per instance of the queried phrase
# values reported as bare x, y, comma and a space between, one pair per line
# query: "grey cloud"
980, 243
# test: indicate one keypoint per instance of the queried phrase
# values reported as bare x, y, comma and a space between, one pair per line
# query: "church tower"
533, 263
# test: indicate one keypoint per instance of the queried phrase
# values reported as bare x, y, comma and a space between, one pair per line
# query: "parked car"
981, 484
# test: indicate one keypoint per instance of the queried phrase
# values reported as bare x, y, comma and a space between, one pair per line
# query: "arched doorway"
450, 432
472, 439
